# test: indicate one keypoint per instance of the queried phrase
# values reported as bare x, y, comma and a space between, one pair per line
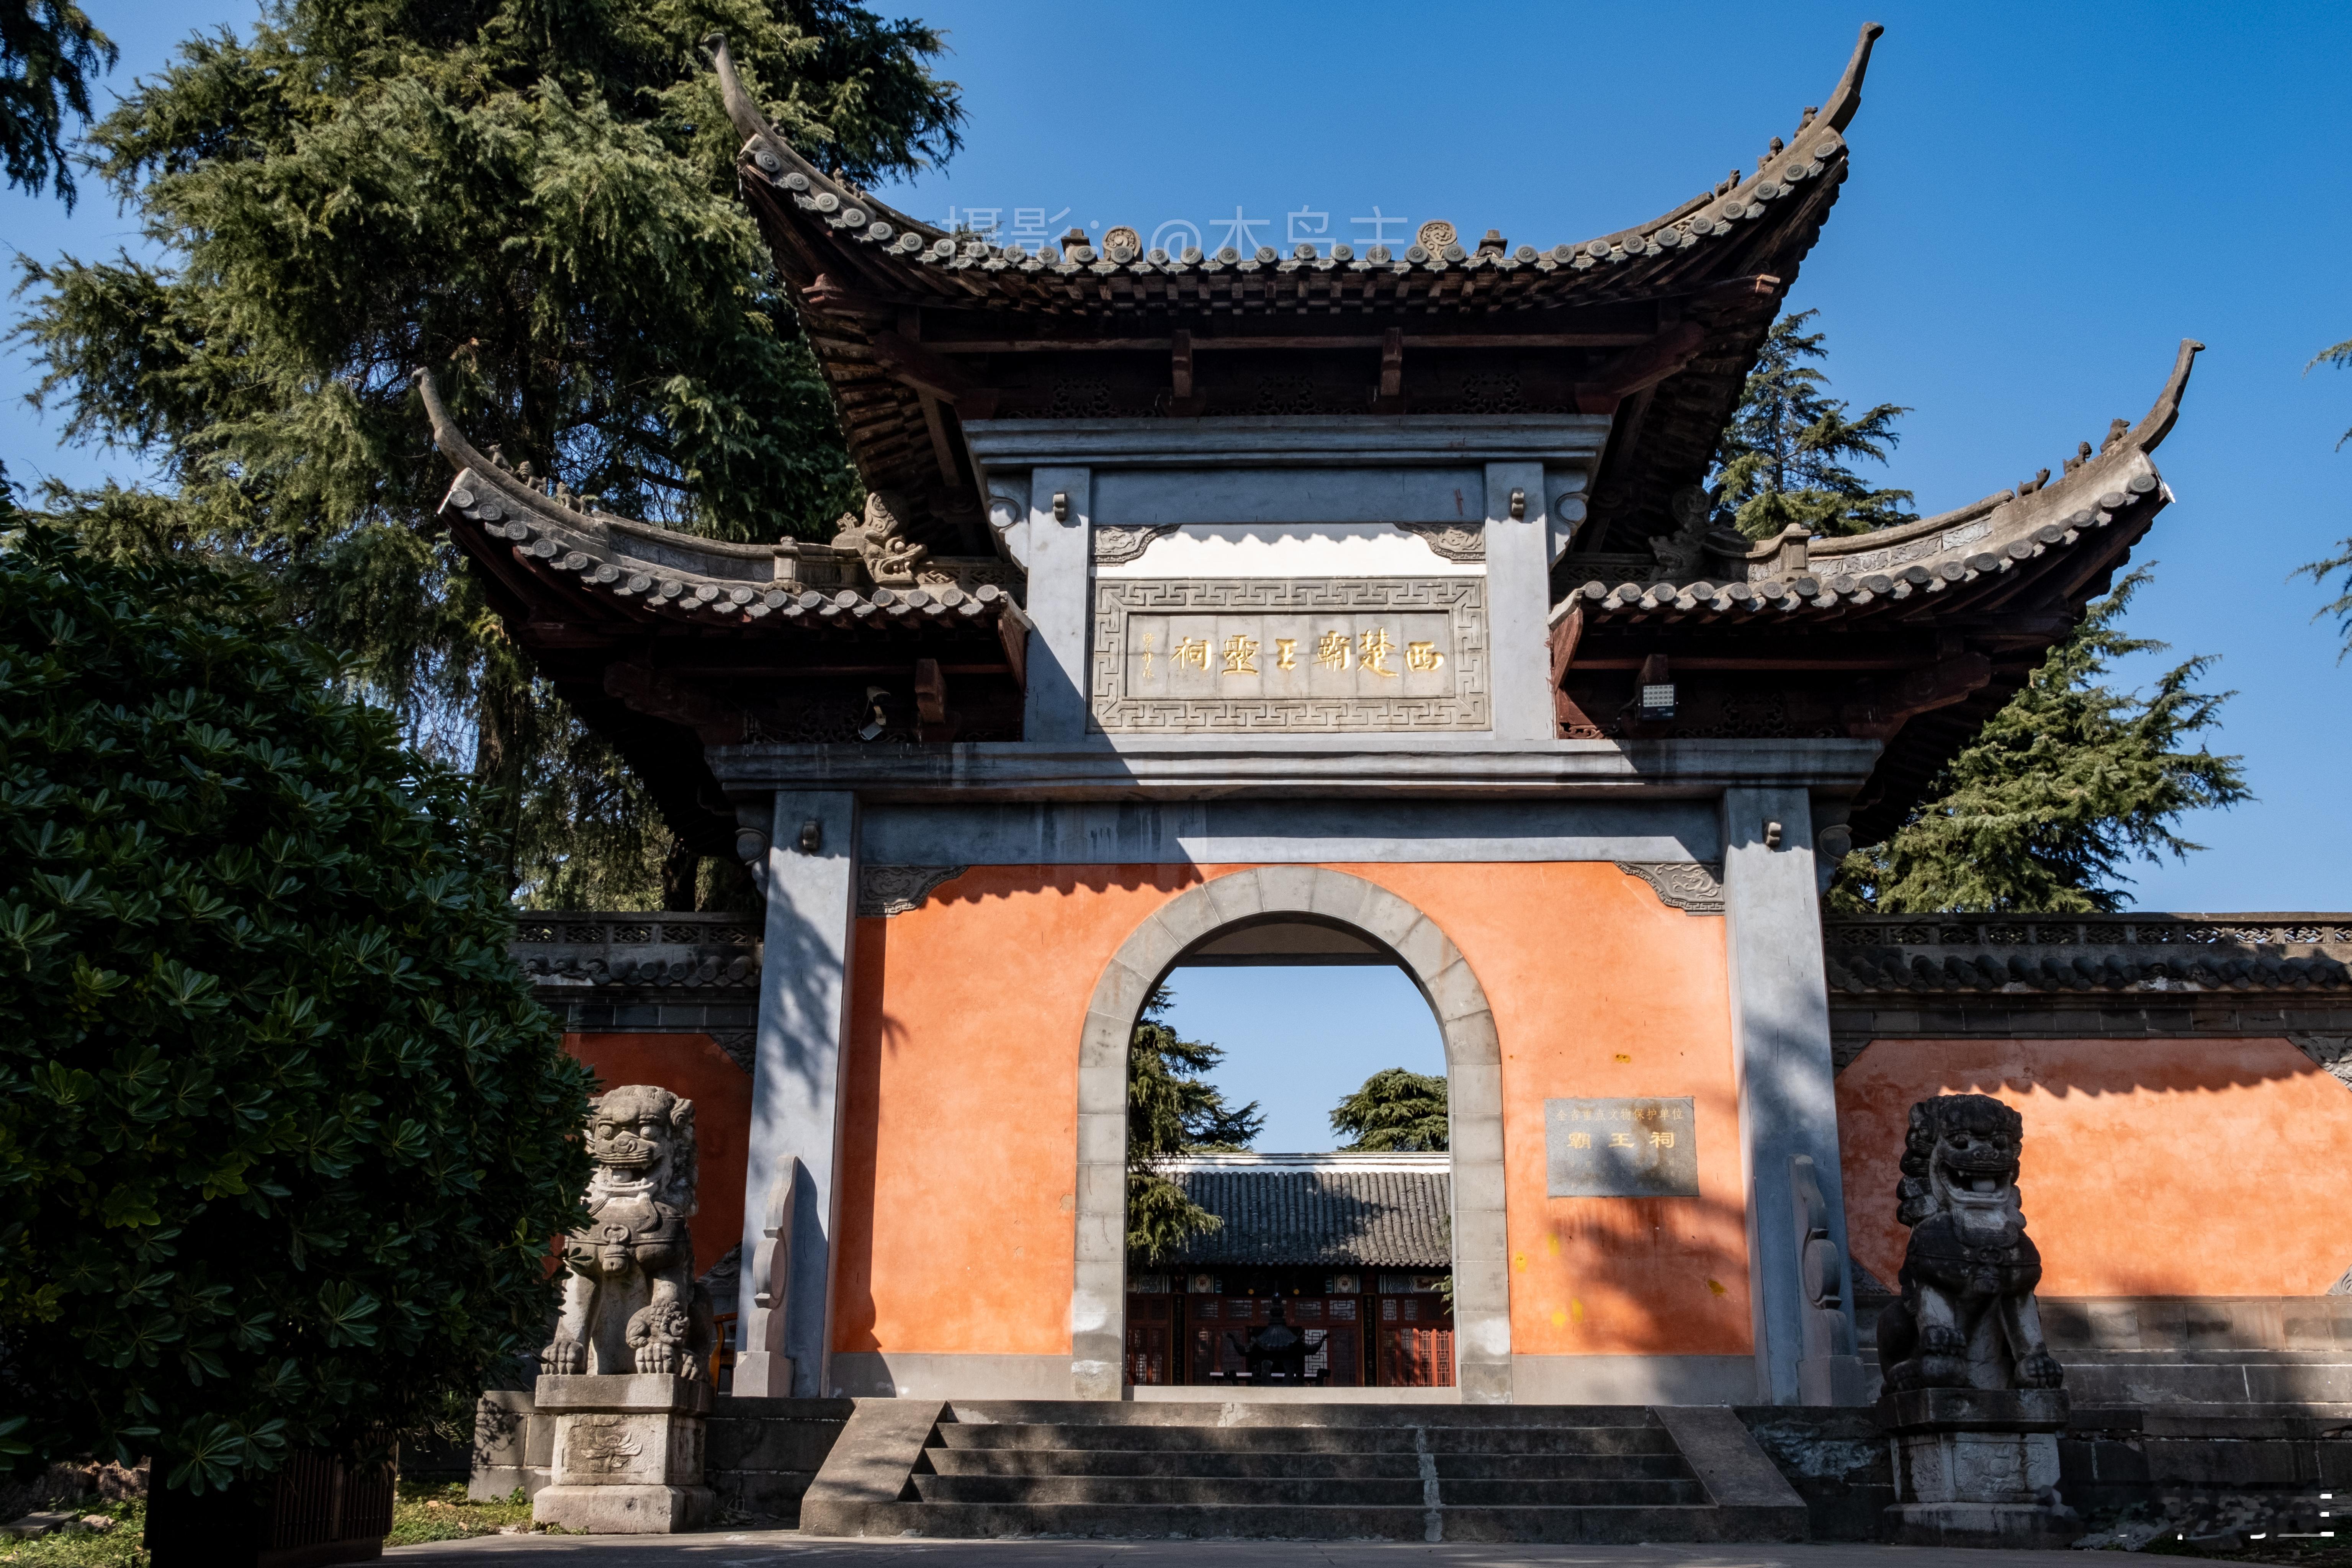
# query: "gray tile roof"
1320, 1216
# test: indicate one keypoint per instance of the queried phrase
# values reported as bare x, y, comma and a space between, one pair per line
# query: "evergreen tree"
1395, 1109
2341, 606
540, 204
1783, 458
2067, 783
2338, 355
1172, 1109
48, 52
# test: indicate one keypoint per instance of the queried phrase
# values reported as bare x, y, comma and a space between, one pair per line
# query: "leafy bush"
283, 1136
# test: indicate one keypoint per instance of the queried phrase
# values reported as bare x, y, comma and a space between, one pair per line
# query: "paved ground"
787, 1549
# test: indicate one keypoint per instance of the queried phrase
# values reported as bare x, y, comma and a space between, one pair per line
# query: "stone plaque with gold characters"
1270, 654
1620, 1149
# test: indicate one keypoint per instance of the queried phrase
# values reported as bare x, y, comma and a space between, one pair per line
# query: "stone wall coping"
623, 1391
1974, 1410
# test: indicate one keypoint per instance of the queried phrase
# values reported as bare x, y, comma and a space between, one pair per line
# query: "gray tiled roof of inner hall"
1331, 1211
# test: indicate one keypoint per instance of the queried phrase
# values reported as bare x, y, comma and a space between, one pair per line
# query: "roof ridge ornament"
2150, 432
1847, 97
741, 111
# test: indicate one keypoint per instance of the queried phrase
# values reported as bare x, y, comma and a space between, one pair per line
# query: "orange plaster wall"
1599, 989
2151, 1167
960, 1144
693, 1068
959, 1159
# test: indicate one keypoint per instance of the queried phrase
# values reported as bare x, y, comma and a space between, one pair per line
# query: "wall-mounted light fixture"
1061, 506
1655, 690
1518, 506
812, 837
877, 718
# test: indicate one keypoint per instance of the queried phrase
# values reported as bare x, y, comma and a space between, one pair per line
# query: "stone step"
1146, 1491
1488, 1474
1392, 1438
1326, 1522
1215, 1412
1557, 1492
1018, 1462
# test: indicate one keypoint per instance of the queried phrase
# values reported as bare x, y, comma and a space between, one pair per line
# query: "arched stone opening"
1337, 901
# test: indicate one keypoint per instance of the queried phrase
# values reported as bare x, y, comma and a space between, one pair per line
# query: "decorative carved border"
1453, 541
1463, 598
1885, 559
884, 891
1693, 887
1114, 545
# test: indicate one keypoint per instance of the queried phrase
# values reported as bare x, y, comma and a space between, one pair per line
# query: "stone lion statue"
630, 1301
1965, 1318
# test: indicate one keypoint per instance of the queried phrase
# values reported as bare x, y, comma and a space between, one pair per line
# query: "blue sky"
2044, 200
1295, 1040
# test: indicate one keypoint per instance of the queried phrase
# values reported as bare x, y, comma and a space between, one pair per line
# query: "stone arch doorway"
1308, 895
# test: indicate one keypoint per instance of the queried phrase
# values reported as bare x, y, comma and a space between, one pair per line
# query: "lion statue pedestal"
1973, 1406
628, 1454
625, 1376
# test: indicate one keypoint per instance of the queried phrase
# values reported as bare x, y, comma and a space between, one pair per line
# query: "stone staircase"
1403, 1472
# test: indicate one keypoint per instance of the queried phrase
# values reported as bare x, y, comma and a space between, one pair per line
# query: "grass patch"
429, 1510
120, 1546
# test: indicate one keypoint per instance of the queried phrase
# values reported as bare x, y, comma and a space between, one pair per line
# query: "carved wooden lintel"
1113, 545
1693, 887
1453, 541
885, 890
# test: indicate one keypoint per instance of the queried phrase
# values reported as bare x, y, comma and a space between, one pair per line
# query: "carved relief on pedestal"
1290, 655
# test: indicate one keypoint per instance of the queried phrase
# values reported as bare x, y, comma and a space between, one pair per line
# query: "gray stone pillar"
1780, 1053
1518, 601
1061, 571
796, 1074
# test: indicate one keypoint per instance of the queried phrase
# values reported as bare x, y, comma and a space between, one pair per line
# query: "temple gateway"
1348, 606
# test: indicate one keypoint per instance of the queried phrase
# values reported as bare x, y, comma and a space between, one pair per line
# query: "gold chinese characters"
1376, 652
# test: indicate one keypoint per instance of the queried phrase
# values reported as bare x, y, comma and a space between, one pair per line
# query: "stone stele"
624, 1375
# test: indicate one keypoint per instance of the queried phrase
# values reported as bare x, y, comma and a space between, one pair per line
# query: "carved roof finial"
740, 111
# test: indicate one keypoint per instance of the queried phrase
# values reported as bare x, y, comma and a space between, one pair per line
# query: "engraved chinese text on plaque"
1377, 654
1620, 1149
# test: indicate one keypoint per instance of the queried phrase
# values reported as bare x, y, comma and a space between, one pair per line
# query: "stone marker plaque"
1283, 655
1620, 1149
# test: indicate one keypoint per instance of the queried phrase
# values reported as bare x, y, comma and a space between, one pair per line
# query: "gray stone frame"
1474, 1065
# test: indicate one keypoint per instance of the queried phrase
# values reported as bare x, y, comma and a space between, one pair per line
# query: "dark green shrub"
283, 1136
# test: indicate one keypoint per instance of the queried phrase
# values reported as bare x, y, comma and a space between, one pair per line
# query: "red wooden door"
1416, 1342
1219, 1328
1150, 1339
